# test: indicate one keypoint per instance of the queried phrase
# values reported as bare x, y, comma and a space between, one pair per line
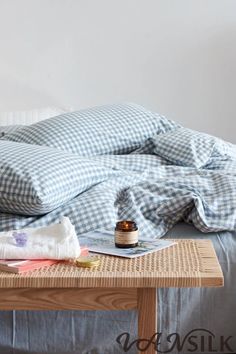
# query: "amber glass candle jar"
126, 234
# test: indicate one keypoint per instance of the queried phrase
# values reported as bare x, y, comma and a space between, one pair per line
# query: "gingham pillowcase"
35, 179
110, 129
7, 129
185, 147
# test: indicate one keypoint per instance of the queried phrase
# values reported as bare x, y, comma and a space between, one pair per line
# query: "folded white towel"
58, 241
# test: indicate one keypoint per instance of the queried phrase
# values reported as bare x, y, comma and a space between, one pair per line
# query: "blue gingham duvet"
175, 175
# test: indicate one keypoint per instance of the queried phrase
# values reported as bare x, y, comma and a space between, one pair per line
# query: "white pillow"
29, 117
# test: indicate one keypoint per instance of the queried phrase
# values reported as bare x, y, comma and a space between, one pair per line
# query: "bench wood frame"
118, 297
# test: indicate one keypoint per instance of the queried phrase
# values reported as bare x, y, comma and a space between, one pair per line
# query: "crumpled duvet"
177, 175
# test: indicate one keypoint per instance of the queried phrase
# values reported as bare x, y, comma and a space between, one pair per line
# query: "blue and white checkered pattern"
35, 179
110, 129
150, 190
185, 147
8, 129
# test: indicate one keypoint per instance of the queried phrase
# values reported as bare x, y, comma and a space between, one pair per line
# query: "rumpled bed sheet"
156, 187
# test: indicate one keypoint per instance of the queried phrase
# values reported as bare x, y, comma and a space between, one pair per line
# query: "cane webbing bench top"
189, 263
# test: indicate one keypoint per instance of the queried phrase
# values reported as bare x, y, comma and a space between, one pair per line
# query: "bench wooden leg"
147, 317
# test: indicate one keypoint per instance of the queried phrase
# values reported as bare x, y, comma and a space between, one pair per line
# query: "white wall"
175, 56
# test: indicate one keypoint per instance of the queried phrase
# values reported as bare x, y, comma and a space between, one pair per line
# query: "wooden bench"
116, 284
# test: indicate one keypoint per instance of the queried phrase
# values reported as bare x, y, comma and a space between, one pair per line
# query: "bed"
68, 332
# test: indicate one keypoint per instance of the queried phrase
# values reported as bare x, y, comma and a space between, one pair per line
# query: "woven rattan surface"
189, 263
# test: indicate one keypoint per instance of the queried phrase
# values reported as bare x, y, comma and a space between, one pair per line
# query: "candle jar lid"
87, 261
126, 226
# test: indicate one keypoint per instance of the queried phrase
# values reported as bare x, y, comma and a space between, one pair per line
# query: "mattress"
95, 332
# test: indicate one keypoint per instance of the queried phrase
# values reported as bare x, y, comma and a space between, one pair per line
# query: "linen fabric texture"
185, 147
110, 129
158, 183
35, 180
7, 129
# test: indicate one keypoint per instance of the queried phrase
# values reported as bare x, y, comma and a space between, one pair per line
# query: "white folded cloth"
57, 241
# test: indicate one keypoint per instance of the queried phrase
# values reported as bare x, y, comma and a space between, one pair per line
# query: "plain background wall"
177, 57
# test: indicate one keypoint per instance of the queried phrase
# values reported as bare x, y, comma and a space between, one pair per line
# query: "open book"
102, 241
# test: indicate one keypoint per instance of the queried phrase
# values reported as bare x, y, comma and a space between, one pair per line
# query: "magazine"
102, 241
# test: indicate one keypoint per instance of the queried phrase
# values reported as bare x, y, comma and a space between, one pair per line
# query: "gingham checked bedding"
174, 174
109, 129
37, 179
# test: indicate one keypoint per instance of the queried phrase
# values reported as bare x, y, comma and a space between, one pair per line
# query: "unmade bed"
121, 162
